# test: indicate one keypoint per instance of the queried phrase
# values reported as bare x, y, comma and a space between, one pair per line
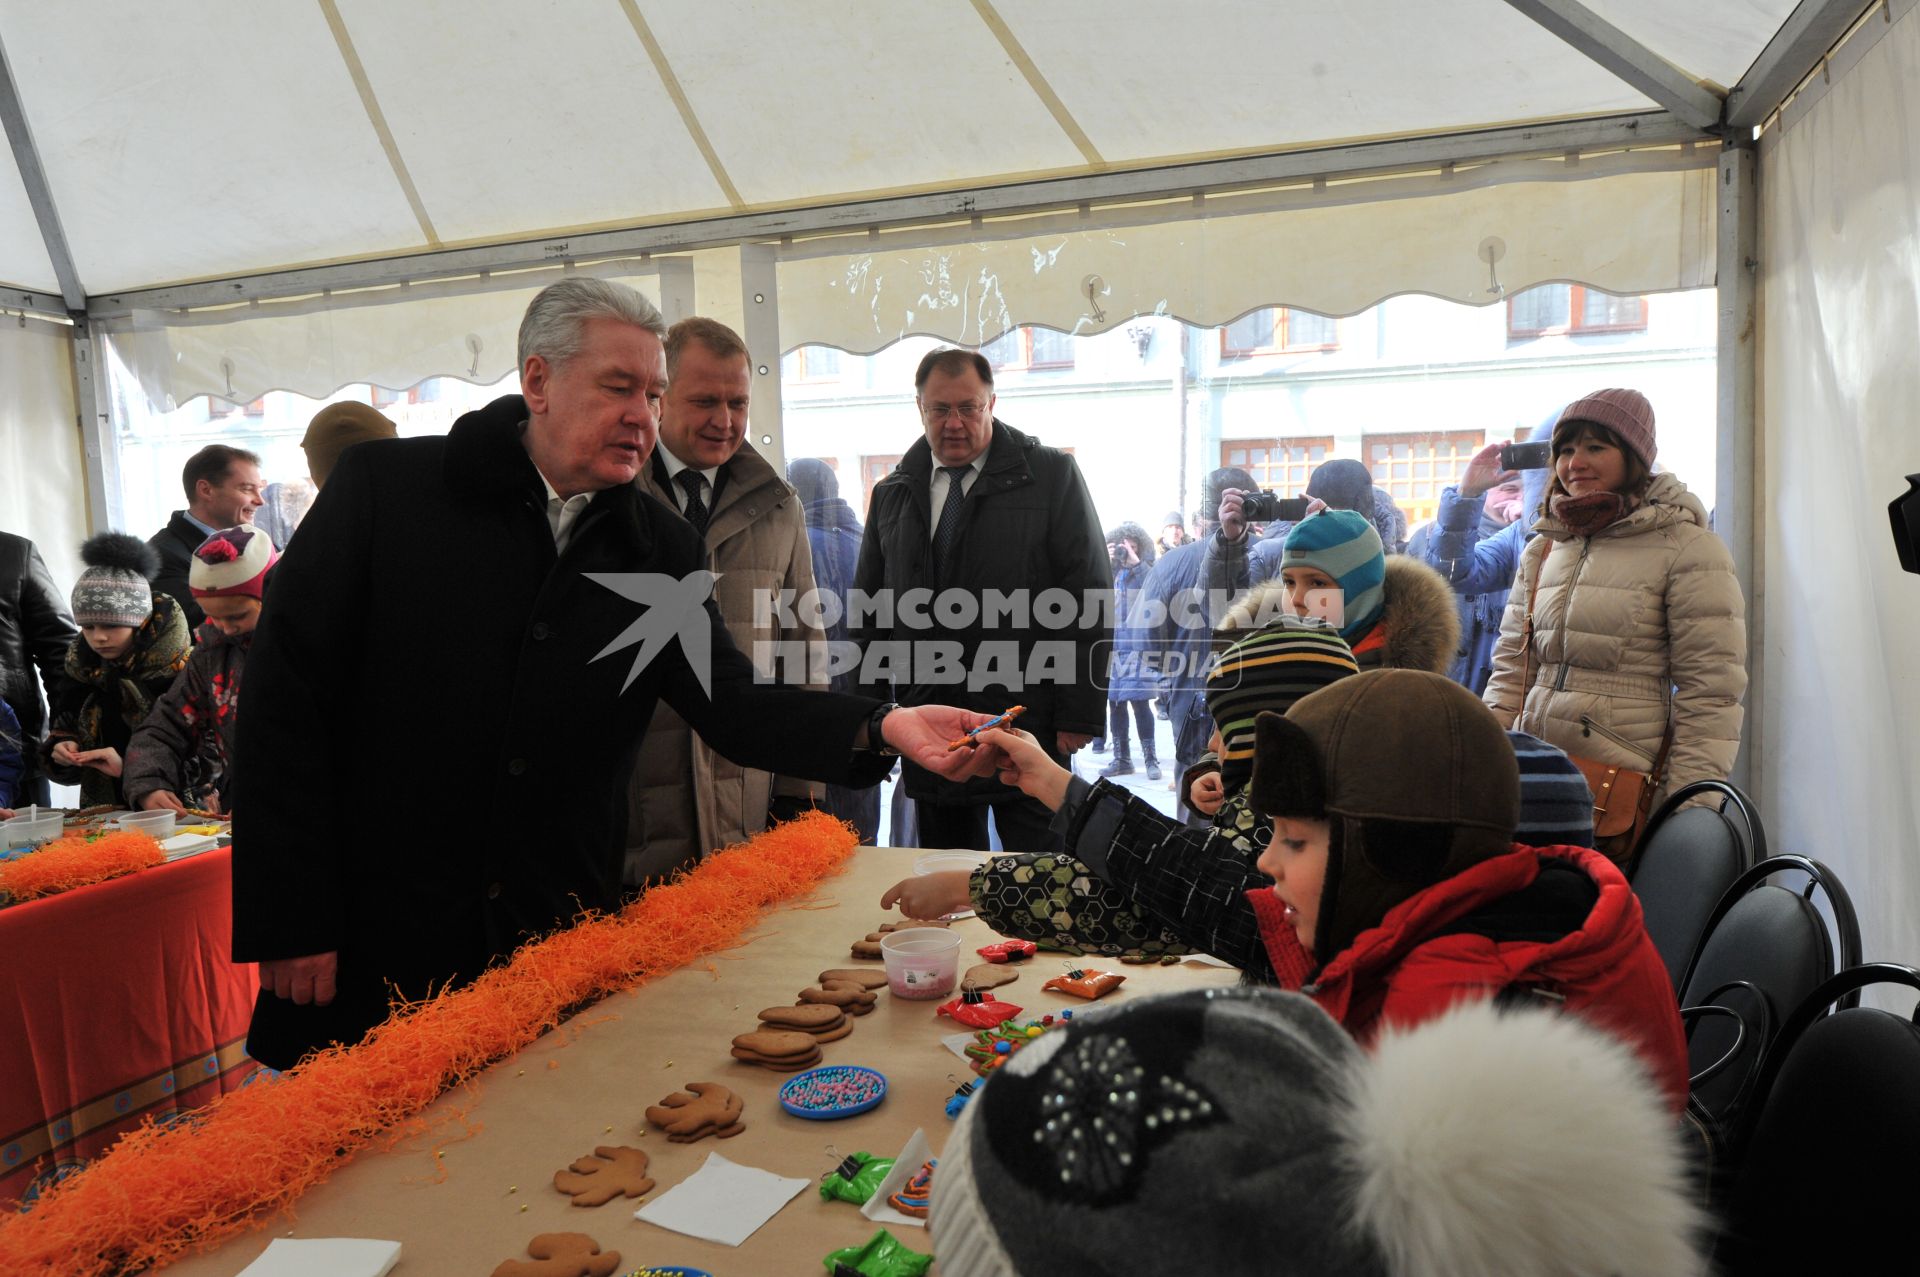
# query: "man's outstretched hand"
923, 732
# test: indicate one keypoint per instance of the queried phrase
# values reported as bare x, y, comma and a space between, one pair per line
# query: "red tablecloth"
117, 1002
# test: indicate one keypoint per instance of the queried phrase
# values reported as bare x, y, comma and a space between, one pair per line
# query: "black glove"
785, 807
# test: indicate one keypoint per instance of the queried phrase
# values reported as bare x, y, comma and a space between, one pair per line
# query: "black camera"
1905, 512
1527, 456
1268, 507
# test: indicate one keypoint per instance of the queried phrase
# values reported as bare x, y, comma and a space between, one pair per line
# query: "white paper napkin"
324, 1257
721, 1202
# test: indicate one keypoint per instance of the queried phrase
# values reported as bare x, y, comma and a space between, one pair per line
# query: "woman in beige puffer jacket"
1638, 619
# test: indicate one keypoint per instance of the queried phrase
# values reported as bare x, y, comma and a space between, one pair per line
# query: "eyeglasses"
935, 413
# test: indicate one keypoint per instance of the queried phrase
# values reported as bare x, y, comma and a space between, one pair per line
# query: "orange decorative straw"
164, 1191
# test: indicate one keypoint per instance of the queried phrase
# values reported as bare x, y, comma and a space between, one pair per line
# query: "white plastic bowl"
922, 962
157, 825
36, 825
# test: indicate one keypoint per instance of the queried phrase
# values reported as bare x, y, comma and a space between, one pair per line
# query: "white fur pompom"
1524, 1143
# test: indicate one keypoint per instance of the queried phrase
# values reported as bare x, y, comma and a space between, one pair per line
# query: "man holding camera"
1235, 563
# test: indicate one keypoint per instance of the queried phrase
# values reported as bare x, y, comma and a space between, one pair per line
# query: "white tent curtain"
1839, 680
1630, 222
42, 475
393, 337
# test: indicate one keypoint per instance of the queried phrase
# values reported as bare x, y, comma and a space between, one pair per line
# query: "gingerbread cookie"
870, 947
609, 1173
988, 975
865, 977
806, 1017
842, 994
562, 1255
710, 1109
778, 1049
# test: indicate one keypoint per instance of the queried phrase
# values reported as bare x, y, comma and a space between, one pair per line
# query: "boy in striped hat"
182, 754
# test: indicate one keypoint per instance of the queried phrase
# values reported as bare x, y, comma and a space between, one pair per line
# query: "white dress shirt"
940, 483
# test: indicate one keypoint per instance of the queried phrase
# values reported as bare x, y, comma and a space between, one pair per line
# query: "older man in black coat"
979, 512
450, 683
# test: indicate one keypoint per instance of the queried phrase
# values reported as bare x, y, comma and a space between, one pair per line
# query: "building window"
1573, 310
1029, 348
1277, 465
872, 470
1412, 468
812, 363
219, 408
1278, 330
427, 391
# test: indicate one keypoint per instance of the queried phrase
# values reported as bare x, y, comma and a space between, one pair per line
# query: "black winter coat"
1030, 526
35, 630
175, 545
423, 615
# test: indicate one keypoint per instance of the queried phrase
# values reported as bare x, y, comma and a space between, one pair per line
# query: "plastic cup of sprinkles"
833, 1090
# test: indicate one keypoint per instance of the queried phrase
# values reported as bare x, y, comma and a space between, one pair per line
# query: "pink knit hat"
1625, 412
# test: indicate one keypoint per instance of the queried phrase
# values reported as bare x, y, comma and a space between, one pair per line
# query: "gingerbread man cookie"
870, 947
843, 995
562, 1255
611, 1172
710, 1109
988, 975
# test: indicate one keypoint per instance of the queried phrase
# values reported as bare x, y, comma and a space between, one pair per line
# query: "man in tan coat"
685, 800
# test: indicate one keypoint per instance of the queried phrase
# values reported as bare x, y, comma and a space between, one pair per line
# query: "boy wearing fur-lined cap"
133, 641
183, 753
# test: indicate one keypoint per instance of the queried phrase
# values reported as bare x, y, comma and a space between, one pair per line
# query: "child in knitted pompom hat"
183, 753
132, 643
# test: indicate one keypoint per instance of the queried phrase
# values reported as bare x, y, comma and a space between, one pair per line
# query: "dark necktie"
946, 538
695, 483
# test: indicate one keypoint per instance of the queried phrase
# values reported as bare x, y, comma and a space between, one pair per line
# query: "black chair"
1764, 949
1686, 863
1828, 1175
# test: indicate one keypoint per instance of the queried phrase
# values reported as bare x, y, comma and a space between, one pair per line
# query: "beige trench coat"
684, 800
1641, 622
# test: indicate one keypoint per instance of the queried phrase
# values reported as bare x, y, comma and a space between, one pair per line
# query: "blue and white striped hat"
1345, 546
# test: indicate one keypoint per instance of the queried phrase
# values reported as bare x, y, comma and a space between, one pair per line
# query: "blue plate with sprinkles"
675, 1271
833, 1090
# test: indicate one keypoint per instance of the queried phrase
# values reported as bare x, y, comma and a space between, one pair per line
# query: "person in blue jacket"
1468, 544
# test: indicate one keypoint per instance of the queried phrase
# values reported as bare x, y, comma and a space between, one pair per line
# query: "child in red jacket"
1398, 890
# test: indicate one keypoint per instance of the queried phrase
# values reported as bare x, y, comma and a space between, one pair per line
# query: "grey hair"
557, 316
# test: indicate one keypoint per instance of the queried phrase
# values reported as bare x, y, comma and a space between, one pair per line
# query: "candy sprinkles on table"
834, 1090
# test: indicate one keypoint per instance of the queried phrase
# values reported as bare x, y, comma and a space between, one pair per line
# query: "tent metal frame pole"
1586, 31
33, 303
1643, 129
1810, 31
39, 195
760, 329
1737, 447
93, 415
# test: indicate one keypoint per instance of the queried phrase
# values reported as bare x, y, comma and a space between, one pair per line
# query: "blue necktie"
946, 538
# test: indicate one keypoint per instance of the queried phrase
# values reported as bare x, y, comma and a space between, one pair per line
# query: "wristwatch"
877, 743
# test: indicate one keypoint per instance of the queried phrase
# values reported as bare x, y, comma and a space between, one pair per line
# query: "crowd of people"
1380, 741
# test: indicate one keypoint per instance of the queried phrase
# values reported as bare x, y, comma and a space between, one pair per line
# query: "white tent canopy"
301, 193
202, 140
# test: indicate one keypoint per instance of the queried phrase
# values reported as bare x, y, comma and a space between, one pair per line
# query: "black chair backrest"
1828, 1175
1685, 867
1734, 804
1765, 948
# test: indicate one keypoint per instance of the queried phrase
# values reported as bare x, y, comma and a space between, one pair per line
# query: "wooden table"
590, 1081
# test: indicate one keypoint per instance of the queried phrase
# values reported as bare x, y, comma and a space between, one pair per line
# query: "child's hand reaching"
1027, 767
1207, 793
106, 761
931, 895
